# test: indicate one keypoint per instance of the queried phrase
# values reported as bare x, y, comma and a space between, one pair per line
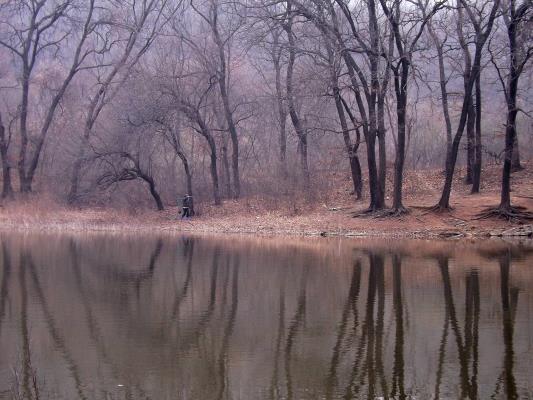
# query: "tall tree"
451, 159
31, 29
368, 87
405, 46
5, 139
439, 44
143, 23
520, 52
212, 18
343, 109
298, 124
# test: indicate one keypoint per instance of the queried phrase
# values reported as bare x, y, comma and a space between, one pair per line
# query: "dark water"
114, 317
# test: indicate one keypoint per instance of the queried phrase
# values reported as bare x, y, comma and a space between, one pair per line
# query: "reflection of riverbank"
202, 318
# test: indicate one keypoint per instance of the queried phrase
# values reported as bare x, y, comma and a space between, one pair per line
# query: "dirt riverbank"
329, 217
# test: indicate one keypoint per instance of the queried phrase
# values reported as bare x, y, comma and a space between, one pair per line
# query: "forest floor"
333, 215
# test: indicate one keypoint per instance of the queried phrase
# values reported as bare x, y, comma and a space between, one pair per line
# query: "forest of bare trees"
139, 101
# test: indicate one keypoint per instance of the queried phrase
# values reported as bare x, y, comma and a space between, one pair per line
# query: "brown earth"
328, 216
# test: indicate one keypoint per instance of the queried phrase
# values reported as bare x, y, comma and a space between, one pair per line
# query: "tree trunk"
194, 115
481, 38
296, 122
512, 92
214, 177
378, 202
476, 167
7, 188
470, 142
381, 122
226, 102
227, 174
510, 135
400, 84
443, 89
304, 167
75, 177
515, 161
355, 165
351, 150
188, 177
155, 195
368, 120
23, 183
282, 114
382, 146
357, 180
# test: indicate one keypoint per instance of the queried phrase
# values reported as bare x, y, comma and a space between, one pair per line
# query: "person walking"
186, 206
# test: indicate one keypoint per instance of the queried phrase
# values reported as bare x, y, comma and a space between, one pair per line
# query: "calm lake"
134, 317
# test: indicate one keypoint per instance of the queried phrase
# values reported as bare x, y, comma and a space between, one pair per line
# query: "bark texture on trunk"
300, 130
451, 159
7, 188
476, 166
228, 113
282, 112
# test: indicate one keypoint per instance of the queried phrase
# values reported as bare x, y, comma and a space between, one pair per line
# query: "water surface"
133, 317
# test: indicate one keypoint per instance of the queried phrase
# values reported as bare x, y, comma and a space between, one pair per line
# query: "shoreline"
329, 215
253, 225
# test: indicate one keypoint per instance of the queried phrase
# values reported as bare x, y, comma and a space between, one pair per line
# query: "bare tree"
439, 44
212, 18
277, 52
5, 140
473, 125
147, 20
405, 46
480, 40
368, 87
517, 19
31, 29
300, 129
342, 106
192, 112
127, 167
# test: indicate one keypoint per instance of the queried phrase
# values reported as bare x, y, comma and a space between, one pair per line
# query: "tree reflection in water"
193, 318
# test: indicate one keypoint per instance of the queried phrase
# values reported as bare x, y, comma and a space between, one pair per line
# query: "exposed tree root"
369, 212
512, 214
392, 212
438, 209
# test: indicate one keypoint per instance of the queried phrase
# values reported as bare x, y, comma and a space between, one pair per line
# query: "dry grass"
328, 214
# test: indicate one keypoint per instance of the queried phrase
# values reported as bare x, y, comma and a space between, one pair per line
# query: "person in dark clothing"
186, 207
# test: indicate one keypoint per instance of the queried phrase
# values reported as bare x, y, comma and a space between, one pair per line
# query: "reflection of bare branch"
294, 327
4, 289
58, 339
366, 342
398, 377
274, 389
351, 303
180, 296
380, 370
450, 311
509, 301
472, 328
94, 330
26, 354
228, 331
205, 317
442, 351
